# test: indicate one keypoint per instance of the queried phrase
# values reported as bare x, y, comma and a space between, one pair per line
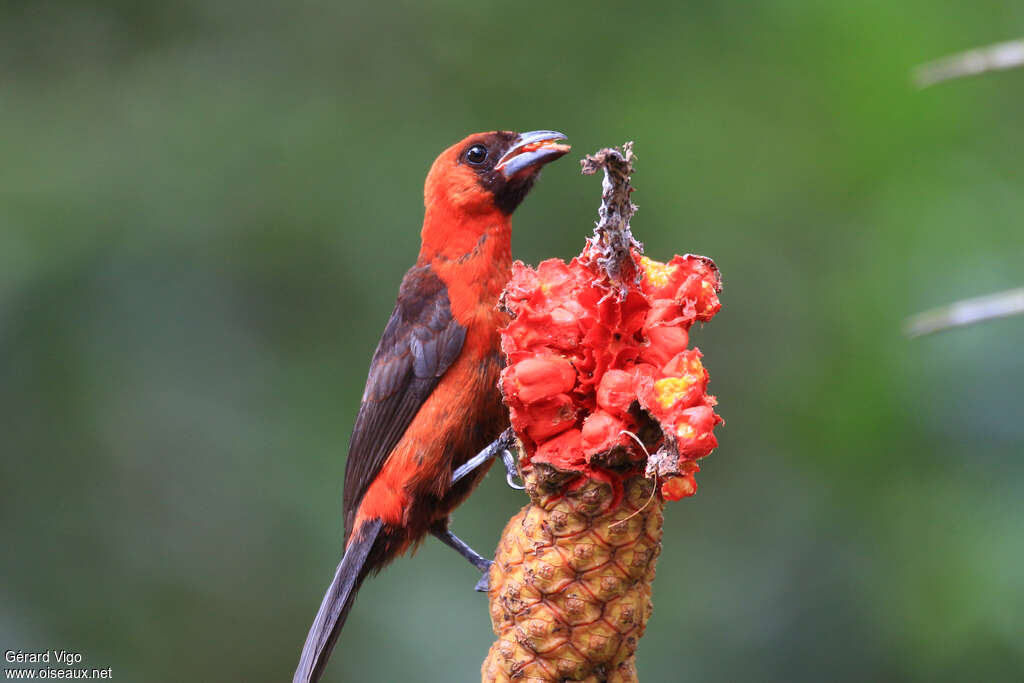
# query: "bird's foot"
501, 446
511, 470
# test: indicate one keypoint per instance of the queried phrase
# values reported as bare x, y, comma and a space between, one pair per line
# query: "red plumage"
431, 399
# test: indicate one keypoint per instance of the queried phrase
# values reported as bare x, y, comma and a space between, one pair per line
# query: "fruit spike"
610, 408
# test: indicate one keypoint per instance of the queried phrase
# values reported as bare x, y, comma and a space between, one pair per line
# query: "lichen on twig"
613, 236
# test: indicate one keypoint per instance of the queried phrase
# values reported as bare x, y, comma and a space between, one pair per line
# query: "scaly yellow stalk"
571, 582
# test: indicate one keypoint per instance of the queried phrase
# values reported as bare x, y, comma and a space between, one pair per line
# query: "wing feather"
420, 342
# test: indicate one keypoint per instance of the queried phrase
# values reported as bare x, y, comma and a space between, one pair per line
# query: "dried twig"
997, 57
613, 236
967, 312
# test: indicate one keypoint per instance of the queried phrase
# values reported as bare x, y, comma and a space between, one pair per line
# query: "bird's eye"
476, 154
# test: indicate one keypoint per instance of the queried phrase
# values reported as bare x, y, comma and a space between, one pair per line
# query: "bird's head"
491, 171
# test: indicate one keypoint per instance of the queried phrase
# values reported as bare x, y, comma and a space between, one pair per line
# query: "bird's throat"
465, 238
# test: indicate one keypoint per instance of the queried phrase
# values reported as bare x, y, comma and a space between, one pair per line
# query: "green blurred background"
206, 207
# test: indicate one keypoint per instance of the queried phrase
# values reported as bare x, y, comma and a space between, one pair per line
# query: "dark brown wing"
421, 341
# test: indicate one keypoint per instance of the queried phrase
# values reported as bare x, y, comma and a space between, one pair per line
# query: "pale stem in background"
997, 57
967, 312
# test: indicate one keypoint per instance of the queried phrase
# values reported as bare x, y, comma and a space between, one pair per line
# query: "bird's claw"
484, 584
511, 470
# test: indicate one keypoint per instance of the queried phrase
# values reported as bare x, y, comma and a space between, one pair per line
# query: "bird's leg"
502, 445
461, 547
442, 533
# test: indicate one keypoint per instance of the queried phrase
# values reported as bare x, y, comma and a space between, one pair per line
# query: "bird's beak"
530, 151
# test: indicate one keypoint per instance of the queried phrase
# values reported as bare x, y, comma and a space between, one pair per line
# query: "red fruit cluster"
590, 362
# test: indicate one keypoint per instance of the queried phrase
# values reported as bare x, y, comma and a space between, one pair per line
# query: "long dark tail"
337, 601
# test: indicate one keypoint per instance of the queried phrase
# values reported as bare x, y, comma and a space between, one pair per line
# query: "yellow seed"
685, 431
657, 273
668, 390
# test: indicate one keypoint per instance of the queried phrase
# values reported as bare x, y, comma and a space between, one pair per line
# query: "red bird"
431, 399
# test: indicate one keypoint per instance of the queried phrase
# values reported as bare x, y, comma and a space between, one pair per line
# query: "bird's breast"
475, 280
